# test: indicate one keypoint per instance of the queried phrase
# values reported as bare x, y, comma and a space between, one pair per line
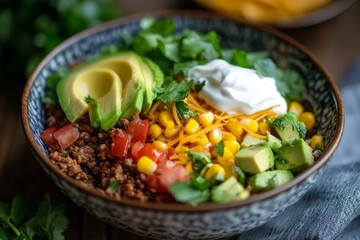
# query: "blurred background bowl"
279, 13
175, 221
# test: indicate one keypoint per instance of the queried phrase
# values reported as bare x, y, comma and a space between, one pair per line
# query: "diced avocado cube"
255, 159
274, 142
295, 156
249, 140
287, 127
269, 179
229, 190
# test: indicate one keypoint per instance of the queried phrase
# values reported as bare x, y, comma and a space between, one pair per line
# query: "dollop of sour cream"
234, 89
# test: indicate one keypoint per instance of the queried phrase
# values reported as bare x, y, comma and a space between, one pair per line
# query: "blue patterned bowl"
180, 221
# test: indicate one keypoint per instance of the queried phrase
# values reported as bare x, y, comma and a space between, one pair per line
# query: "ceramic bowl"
180, 221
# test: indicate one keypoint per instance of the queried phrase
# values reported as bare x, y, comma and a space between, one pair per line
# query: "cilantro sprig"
25, 221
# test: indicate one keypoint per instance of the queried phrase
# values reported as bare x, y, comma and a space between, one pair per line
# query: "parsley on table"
22, 220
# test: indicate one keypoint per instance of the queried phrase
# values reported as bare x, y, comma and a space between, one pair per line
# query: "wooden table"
336, 43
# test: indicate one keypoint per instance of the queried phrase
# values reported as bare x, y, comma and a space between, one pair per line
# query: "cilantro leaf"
183, 68
288, 82
185, 192
114, 186
51, 220
163, 27
241, 174
169, 47
200, 161
197, 46
219, 149
21, 220
183, 111
173, 91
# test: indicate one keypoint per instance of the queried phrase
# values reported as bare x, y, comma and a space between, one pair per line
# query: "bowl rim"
176, 207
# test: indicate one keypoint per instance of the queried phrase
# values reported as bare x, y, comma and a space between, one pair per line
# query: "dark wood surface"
336, 43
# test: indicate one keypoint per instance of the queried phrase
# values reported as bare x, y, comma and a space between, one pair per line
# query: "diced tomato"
169, 176
153, 181
138, 129
120, 144
135, 149
48, 136
67, 135
152, 152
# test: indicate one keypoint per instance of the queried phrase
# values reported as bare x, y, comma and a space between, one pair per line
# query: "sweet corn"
272, 115
146, 165
198, 148
250, 124
166, 119
296, 108
155, 130
192, 126
227, 156
233, 146
234, 127
203, 140
162, 138
229, 168
228, 136
215, 136
308, 118
171, 131
264, 128
160, 145
206, 119
215, 170
317, 142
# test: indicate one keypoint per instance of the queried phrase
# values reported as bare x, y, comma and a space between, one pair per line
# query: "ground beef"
89, 161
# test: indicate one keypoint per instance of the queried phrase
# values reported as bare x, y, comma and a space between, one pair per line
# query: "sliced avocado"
154, 78
269, 179
255, 159
274, 142
249, 140
295, 156
101, 84
229, 190
128, 66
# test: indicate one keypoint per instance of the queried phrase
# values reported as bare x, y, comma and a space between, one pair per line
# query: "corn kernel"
250, 124
272, 115
233, 146
198, 148
264, 128
215, 136
203, 140
317, 142
296, 108
166, 119
146, 165
227, 156
228, 136
160, 145
192, 126
215, 170
162, 138
229, 168
234, 127
308, 118
171, 131
155, 130
206, 119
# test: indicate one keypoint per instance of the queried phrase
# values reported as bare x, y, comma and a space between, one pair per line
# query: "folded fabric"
331, 208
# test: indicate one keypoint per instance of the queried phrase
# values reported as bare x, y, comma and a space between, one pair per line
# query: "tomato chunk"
120, 145
169, 176
135, 149
67, 135
138, 129
153, 181
48, 136
152, 152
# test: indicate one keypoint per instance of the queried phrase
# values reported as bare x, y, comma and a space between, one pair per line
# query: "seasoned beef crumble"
89, 161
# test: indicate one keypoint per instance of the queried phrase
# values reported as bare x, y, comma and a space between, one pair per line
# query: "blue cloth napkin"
331, 208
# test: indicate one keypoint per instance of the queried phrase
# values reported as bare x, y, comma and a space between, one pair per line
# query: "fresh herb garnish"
173, 91
288, 82
219, 149
114, 186
183, 111
21, 220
